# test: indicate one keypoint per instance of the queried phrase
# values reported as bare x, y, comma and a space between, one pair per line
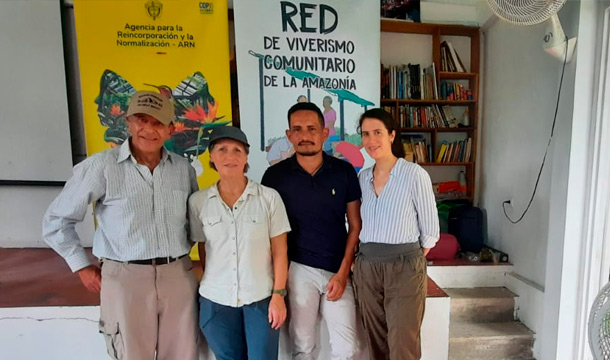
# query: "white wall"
21, 211
570, 264
34, 126
519, 95
58, 333
520, 90
35, 36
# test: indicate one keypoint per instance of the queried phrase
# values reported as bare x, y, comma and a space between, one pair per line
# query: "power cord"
548, 145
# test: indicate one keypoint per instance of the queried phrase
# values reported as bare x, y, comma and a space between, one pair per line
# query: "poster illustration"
179, 48
324, 52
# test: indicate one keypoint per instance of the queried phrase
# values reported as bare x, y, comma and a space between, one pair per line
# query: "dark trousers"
239, 333
391, 286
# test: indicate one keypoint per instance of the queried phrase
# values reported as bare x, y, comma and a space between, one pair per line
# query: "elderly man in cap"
140, 192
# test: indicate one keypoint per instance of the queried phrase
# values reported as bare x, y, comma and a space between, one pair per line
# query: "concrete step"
504, 340
463, 274
494, 304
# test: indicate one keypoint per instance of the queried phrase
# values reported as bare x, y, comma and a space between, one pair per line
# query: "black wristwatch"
282, 292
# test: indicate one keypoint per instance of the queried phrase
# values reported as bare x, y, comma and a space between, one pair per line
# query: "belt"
155, 261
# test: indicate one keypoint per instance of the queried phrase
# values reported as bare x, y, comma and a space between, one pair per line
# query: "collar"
125, 153
251, 189
326, 163
370, 176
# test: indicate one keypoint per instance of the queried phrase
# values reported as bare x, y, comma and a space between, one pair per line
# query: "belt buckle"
162, 261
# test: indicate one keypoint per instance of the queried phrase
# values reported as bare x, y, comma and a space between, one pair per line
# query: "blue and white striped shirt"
404, 212
140, 214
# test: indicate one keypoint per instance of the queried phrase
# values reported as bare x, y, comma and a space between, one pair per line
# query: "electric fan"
531, 12
599, 325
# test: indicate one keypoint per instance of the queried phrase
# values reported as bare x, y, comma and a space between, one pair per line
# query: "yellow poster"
179, 47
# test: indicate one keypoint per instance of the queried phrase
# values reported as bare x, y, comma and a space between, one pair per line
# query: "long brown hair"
390, 124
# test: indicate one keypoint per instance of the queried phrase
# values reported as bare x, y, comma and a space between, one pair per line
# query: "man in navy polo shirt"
318, 191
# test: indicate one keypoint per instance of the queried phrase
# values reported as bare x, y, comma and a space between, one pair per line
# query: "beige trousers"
148, 309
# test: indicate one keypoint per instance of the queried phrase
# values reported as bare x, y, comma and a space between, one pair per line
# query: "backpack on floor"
466, 224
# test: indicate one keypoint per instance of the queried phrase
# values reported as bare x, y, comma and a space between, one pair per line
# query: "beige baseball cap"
153, 104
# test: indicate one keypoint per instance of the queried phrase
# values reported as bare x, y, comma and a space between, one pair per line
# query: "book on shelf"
444, 60
451, 120
391, 110
454, 91
441, 152
420, 116
468, 149
423, 116
411, 81
409, 151
432, 71
419, 147
430, 88
414, 72
455, 151
450, 60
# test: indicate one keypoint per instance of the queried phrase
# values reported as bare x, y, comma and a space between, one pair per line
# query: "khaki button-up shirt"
238, 264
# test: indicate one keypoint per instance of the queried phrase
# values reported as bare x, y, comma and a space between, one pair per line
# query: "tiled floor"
39, 277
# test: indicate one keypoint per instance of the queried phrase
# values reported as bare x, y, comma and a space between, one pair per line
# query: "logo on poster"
153, 8
206, 7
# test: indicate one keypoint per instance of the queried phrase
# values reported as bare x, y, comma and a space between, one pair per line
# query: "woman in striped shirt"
399, 227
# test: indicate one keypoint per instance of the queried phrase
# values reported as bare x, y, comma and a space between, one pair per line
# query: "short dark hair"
213, 144
306, 106
390, 124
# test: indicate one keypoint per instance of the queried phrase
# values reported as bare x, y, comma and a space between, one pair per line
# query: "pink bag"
446, 248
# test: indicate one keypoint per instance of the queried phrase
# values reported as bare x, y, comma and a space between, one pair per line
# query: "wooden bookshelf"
443, 75
437, 31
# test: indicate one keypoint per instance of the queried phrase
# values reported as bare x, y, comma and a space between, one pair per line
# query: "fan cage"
599, 325
525, 12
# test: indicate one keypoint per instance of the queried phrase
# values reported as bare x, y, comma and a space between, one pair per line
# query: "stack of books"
450, 60
413, 82
456, 151
426, 116
417, 149
454, 91
391, 110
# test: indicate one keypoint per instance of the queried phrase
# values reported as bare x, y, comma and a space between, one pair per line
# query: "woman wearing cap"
399, 226
243, 227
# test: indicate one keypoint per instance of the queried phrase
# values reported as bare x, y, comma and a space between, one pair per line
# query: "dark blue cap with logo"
228, 132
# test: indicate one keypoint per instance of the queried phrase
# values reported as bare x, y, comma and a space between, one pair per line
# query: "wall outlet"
509, 202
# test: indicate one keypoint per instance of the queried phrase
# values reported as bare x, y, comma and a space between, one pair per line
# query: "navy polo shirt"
316, 207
